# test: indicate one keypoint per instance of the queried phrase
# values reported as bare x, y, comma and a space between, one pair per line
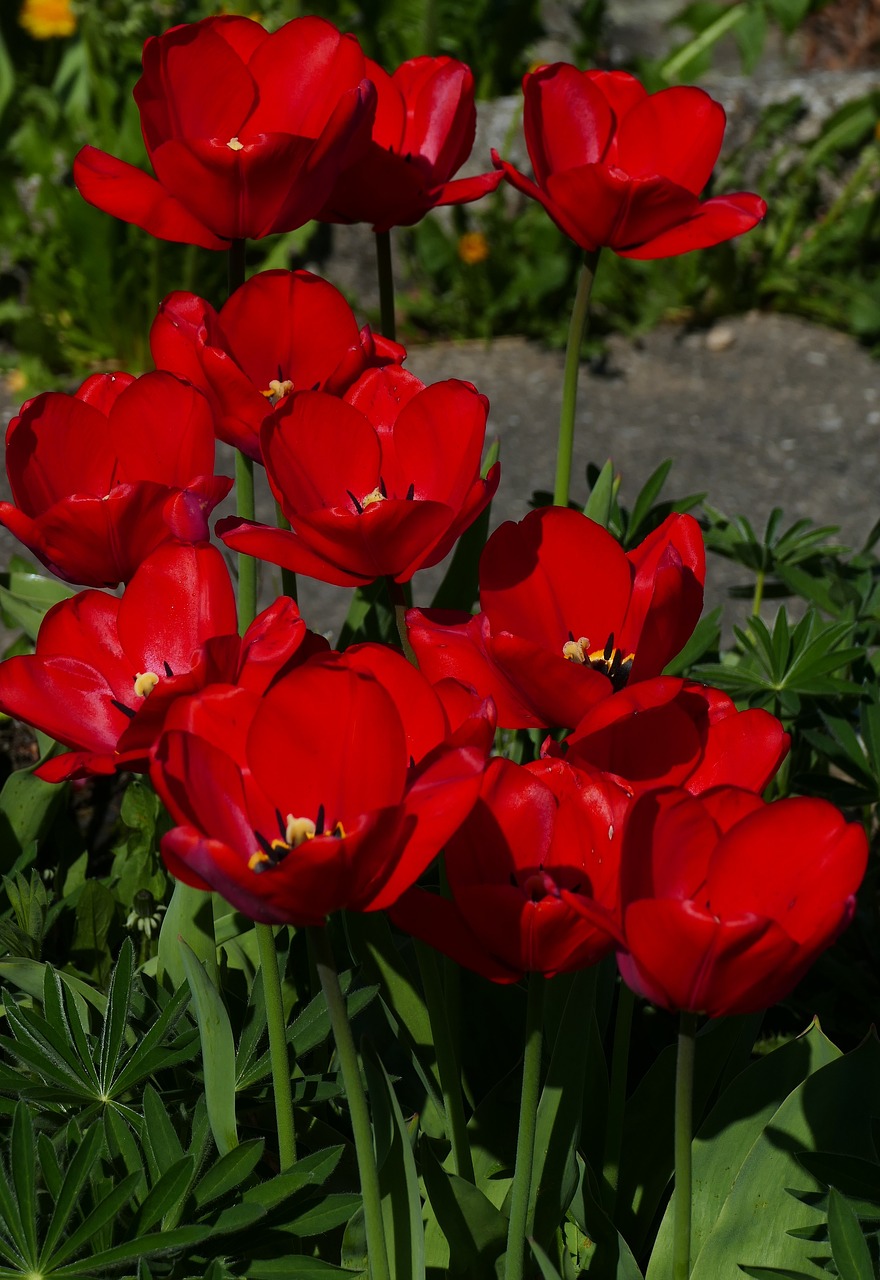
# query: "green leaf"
149, 1054
398, 1179
309, 1171
650, 491
95, 910
848, 1246
26, 596
118, 1002
330, 1212
189, 919
546, 1267
74, 1180
167, 1194
131, 1251
296, 1267
475, 1230
27, 809
460, 587
102, 1215
228, 1172
601, 499
23, 1163
855, 1178
218, 1050
161, 1143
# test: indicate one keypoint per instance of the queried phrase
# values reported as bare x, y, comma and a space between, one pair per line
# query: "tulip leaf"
188, 921
26, 597
848, 1245
27, 808
460, 588
745, 1157
398, 1179
218, 1051
475, 1230
601, 500
607, 1255
545, 1266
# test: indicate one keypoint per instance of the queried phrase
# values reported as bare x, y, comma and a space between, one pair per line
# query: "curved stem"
684, 1088
576, 329
447, 1065
525, 1142
386, 285
357, 1104
617, 1093
277, 1045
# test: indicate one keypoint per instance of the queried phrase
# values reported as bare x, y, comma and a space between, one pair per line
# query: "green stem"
386, 285
247, 565
277, 1045
617, 1091
447, 1063
759, 593
357, 1104
235, 266
288, 577
525, 1143
576, 330
398, 603
684, 1088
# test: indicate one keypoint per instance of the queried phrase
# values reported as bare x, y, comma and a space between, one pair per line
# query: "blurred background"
800, 80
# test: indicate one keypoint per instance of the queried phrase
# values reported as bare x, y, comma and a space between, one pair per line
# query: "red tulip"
381, 482
281, 331
246, 131
617, 166
107, 669
727, 901
535, 831
333, 790
423, 133
102, 477
675, 733
567, 617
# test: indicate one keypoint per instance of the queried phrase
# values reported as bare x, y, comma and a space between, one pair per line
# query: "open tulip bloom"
423, 133
726, 901
281, 331
332, 790
99, 479
616, 166
107, 669
378, 483
566, 616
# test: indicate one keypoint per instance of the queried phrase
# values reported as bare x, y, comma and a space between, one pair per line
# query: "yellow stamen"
339, 831
234, 145
144, 683
258, 860
298, 830
376, 496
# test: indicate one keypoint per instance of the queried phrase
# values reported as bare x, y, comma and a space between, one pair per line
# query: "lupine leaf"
118, 1002
218, 1051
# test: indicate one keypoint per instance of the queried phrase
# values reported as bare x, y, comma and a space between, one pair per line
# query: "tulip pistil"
610, 661
277, 389
293, 833
144, 683
234, 145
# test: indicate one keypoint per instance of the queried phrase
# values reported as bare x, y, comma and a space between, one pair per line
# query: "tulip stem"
235, 266
447, 1065
576, 329
525, 1143
398, 603
684, 1089
288, 577
357, 1104
617, 1092
277, 1045
386, 285
247, 565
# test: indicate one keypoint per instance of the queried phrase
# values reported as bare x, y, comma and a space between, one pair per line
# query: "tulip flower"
616, 166
667, 732
246, 131
107, 669
100, 478
535, 831
279, 332
725, 901
422, 135
333, 790
567, 617
380, 482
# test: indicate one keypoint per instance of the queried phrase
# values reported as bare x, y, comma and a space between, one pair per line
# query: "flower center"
292, 833
277, 389
234, 145
610, 661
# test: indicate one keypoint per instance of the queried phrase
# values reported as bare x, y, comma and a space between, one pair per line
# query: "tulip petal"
677, 133
711, 223
566, 118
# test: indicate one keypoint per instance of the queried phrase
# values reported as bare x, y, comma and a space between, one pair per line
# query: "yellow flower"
473, 247
15, 381
46, 18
